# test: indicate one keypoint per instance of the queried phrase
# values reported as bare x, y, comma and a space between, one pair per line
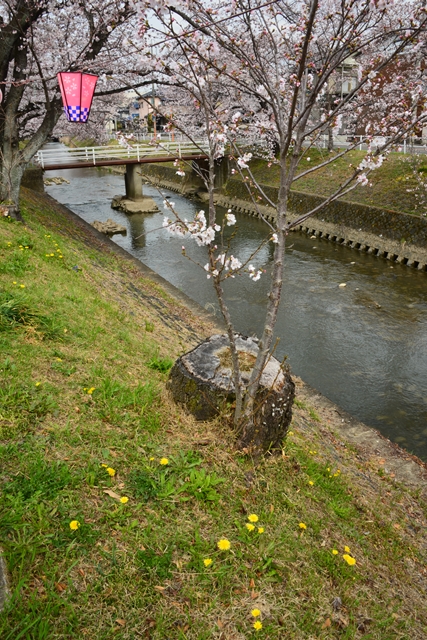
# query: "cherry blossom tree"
254, 77
39, 38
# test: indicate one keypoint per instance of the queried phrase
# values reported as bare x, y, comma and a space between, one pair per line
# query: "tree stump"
201, 380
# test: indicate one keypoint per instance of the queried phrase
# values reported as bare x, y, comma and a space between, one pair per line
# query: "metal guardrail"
143, 151
410, 145
96, 155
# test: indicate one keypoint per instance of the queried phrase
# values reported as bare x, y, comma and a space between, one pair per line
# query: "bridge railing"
95, 155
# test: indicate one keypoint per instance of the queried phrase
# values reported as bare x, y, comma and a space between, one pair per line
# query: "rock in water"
144, 205
202, 381
109, 227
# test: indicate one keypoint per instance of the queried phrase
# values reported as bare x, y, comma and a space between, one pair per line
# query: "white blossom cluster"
197, 229
222, 263
254, 274
242, 161
369, 163
231, 218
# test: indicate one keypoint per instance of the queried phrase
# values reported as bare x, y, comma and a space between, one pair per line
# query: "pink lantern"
77, 91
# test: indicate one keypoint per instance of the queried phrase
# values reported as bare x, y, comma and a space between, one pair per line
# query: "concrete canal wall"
398, 237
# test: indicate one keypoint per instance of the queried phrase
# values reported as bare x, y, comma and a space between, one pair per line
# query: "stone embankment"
398, 237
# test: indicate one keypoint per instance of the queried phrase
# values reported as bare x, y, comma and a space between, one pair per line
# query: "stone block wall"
388, 234
399, 227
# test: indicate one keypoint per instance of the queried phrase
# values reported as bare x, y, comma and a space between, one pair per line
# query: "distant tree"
254, 77
38, 38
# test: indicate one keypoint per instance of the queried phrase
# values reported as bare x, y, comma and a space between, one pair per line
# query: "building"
136, 112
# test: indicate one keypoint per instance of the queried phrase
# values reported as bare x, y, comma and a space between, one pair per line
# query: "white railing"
138, 152
410, 145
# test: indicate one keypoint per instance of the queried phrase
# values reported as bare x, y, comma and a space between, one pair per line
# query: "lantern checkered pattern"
77, 91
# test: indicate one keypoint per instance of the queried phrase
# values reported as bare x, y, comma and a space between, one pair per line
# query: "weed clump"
16, 311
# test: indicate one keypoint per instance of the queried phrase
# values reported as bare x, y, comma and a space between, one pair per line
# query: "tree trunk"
11, 175
202, 381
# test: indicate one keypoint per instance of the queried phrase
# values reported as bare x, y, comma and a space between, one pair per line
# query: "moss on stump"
201, 380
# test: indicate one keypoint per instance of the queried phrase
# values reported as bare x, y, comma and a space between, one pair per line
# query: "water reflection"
363, 345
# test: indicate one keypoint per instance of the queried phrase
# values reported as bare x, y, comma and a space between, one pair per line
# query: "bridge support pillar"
133, 182
201, 168
221, 171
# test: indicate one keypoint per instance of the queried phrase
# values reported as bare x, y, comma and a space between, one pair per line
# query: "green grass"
392, 185
86, 422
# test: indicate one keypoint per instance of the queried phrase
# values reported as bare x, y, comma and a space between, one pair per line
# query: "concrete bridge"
131, 157
65, 158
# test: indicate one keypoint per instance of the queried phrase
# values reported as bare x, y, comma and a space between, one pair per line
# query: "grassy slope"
392, 185
85, 343
391, 188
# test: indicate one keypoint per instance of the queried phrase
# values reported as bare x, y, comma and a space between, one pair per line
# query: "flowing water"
364, 345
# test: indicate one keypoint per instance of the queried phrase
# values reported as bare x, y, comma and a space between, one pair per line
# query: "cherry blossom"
275, 81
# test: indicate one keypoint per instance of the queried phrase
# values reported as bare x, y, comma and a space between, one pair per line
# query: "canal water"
364, 345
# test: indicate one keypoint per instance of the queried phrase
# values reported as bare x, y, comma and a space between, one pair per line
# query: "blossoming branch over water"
219, 266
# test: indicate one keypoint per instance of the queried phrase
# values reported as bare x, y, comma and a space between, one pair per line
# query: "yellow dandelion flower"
255, 613
302, 525
74, 525
38, 384
249, 526
52, 255
349, 560
123, 499
253, 518
207, 562
261, 529
14, 282
257, 625
335, 552
311, 483
111, 472
91, 390
164, 461
347, 549
104, 465
22, 286
152, 458
223, 544
290, 433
